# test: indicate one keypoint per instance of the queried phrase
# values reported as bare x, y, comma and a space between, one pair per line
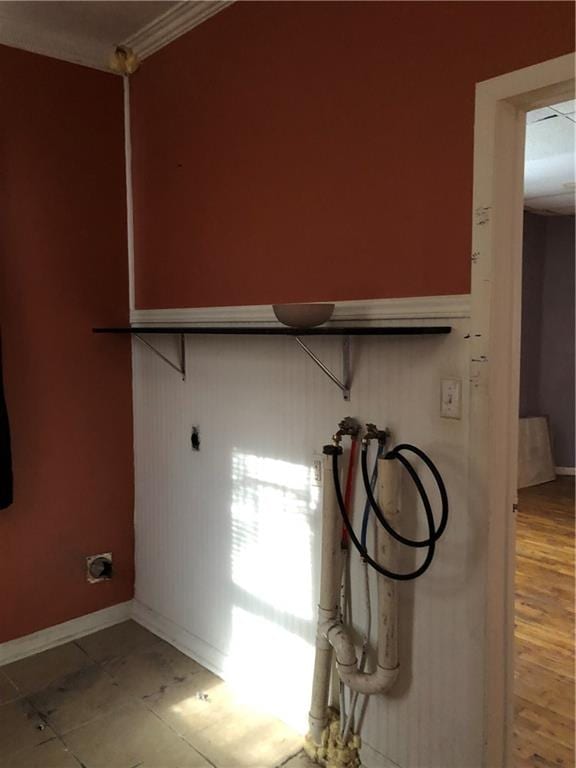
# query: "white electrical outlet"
451, 398
317, 463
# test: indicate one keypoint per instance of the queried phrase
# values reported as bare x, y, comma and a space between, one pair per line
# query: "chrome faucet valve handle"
349, 426
373, 433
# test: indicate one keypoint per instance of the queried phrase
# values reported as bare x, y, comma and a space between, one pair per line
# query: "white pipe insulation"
328, 605
332, 634
339, 636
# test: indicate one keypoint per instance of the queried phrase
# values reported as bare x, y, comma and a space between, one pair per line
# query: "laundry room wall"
307, 152
228, 537
63, 270
289, 151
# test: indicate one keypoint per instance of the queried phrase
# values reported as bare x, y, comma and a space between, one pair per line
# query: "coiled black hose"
362, 549
395, 454
433, 533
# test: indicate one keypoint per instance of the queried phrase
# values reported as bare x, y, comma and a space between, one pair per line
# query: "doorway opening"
544, 565
502, 104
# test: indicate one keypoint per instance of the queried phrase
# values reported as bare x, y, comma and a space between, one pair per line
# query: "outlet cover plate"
451, 399
317, 467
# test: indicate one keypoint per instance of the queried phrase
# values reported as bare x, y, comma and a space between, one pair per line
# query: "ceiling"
549, 171
87, 32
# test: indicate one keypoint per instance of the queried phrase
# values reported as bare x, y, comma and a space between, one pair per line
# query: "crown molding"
348, 312
170, 25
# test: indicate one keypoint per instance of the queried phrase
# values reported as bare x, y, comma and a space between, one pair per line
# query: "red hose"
349, 487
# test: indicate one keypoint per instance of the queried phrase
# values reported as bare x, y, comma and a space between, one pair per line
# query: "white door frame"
499, 132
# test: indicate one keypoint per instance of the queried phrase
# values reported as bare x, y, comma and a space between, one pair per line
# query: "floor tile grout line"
180, 736
17, 690
290, 757
129, 698
21, 693
84, 651
55, 737
101, 666
28, 694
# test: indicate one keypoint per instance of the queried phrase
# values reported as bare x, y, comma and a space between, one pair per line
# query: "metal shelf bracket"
345, 333
344, 385
181, 368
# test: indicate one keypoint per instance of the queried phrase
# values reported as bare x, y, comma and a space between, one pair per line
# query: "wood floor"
544, 662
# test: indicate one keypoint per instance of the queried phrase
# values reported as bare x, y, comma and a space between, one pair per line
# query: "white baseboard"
13, 650
180, 638
566, 471
349, 312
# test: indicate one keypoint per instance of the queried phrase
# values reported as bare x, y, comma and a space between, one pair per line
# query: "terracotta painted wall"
305, 151
63, 270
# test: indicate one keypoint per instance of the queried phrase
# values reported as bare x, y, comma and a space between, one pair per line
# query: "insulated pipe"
388, 486
348, 493
334, 700
335, 692
338, 636
329, 601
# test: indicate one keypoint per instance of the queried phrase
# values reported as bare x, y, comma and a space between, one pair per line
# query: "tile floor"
123, 698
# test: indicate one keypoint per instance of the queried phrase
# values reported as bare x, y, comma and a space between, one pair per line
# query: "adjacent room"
263, 269
544, 668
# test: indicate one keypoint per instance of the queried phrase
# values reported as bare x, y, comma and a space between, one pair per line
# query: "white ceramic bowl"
303, 315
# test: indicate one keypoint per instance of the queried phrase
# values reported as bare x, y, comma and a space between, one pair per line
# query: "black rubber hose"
367, 508
376, 508
362, 550
395, 453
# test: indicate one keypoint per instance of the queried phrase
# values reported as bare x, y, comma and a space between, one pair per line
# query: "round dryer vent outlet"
99, 567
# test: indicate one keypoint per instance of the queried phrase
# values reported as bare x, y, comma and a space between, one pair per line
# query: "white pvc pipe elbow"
368, 683
386, 672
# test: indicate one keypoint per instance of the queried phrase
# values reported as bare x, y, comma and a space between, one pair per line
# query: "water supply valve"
373, 433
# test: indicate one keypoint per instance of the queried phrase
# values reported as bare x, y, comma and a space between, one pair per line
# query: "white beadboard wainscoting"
228, 537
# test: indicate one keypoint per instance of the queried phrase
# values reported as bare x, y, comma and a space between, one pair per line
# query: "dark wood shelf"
403, 330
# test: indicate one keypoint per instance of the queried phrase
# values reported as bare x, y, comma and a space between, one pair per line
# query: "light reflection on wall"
271, 646
270, 668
